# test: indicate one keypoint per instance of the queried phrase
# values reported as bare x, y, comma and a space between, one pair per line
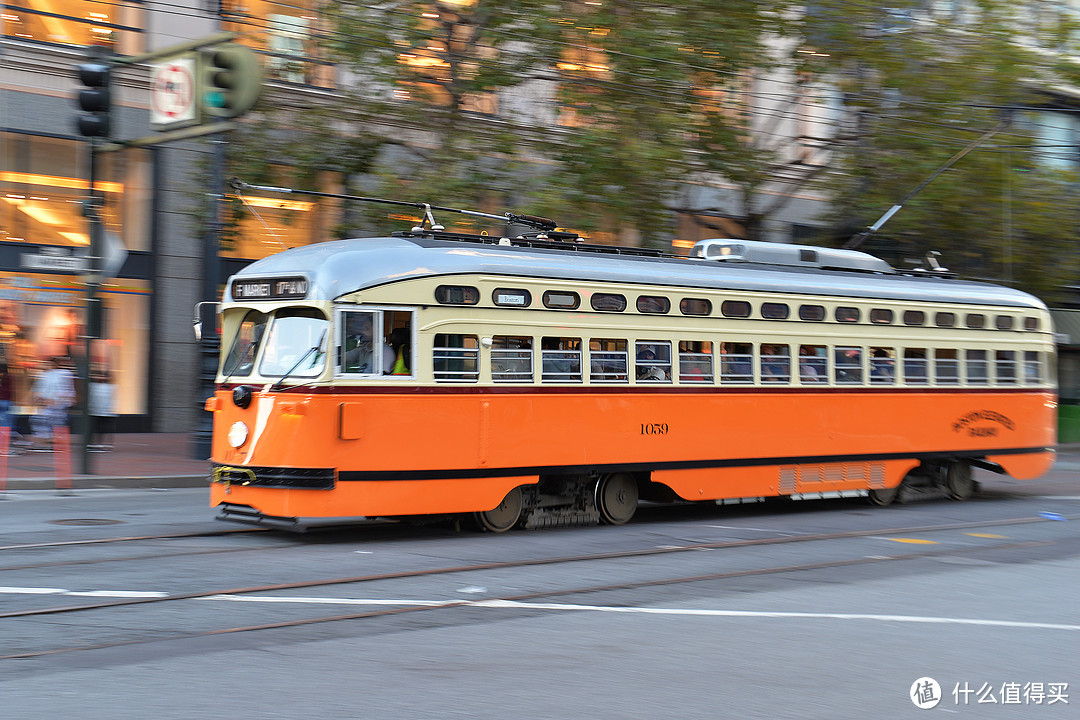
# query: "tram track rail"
532, 596
518, 598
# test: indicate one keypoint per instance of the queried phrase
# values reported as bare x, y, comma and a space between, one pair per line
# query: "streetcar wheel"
959, 481
883, 496
505, 516
616, 498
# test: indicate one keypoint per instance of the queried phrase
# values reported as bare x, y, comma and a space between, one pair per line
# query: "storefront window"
42, 317
114, 25
44, 180
288, 41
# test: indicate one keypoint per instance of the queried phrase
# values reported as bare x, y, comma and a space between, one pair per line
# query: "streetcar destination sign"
290, 288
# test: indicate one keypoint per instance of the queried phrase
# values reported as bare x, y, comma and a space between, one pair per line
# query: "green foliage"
597, 114
924, 87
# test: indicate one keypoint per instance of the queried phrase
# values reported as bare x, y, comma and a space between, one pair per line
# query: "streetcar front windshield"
296, 344
240, 360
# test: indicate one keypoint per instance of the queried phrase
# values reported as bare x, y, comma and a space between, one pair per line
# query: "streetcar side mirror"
196, 324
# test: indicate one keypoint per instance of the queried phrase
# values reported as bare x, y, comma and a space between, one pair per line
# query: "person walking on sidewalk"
102, 411
54, 393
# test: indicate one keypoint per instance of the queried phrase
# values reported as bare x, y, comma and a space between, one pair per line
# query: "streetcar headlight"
238, 434
241, 396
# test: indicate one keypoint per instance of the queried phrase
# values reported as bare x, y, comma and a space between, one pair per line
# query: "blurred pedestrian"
6, 390
54, 393
102, 411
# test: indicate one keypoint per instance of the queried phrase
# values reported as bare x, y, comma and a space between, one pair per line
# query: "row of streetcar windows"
524, 359
661, 305
294, 342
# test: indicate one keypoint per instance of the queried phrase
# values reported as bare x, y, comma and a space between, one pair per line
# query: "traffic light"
232, 80
94, 99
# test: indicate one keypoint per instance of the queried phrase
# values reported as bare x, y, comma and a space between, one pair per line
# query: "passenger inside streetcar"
646, 370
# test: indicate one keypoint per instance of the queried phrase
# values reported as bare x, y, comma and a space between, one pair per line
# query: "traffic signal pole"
95, 100
228, 83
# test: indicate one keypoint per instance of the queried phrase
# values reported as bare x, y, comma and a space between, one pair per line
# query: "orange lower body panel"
460, 451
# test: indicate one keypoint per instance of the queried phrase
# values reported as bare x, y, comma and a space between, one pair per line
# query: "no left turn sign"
172, 92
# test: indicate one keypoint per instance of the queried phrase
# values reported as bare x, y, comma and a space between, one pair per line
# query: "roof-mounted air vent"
768, 253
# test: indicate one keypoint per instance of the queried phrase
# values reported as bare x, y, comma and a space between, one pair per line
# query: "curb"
89, 482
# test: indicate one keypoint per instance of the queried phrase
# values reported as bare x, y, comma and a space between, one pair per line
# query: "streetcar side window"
813, 313
914, 317
397, 336
1031, 323
1005, 368
608, 302
560, 359
511, 359
915, 366
813, 364
975, 320
561, 299
946, 367
882, 366
456, 358
695, 362
735, 308
608, 361
1032, 368
775, 363
358, 333
1004, 322
945, 319
848, 365
847, 314
775, 311
977, 367
457, 295
653, 361
695, 306
654, 304
881, 316
736, 362
240, 360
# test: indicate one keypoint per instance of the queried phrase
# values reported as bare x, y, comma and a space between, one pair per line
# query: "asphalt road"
816, 609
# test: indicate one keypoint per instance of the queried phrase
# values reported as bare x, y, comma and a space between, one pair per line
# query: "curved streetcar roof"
340, 267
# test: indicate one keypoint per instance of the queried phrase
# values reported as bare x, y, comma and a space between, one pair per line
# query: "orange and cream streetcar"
537, 380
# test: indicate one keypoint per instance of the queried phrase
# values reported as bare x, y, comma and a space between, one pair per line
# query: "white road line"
119, 594
565, 607
698, 612
770, 614
83, 593
31, 591
754, 529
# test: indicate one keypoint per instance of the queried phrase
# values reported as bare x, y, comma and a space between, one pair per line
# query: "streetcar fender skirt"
374, 498
1027, 465
784, 479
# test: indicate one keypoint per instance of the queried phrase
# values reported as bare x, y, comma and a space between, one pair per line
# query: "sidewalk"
143, 460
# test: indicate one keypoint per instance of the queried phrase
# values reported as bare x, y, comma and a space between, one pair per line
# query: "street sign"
173, 93
55, 261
